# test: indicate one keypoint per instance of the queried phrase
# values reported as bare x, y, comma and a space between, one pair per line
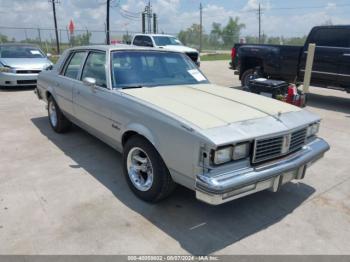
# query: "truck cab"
167, 42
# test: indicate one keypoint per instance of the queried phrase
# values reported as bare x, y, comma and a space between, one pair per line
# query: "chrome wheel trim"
52, 114
140, 169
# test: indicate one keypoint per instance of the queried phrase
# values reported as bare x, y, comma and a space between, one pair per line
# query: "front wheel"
58, 122
145, 171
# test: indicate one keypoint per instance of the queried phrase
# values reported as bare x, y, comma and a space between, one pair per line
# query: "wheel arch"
250, 63
139, 130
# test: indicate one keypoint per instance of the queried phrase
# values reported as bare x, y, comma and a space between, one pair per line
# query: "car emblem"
286, 143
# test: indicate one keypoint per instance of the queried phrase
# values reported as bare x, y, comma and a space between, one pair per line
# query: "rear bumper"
228, 186
11, 79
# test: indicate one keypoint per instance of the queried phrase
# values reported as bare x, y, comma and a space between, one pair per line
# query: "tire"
249, 75
153, 183
58, 122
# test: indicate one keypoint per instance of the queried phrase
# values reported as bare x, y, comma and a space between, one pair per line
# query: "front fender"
143, 131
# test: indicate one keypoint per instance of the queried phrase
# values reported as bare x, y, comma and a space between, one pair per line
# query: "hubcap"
140, 169
52, 114
248, 78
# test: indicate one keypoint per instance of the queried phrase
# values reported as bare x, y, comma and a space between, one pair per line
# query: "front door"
329, 49
92, 105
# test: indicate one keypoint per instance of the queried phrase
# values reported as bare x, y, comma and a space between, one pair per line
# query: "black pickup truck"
331, 63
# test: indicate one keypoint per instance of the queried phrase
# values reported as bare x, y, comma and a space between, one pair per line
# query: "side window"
147, 41
74, 65
138, 40
332, 37
95, 67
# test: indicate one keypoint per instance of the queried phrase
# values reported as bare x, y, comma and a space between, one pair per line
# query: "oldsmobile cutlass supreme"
174, 127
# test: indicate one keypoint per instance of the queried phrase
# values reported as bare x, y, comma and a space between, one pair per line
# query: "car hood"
26, 63
208, 106
179, 48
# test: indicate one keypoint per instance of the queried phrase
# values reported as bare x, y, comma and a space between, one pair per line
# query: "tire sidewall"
159, 168
51, 100
247, 75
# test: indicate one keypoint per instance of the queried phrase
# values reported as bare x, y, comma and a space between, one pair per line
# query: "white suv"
167, 42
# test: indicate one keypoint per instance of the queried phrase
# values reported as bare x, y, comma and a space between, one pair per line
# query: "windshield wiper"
131, 87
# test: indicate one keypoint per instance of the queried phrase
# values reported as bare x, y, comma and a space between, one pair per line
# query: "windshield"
166, 40
153, 68
20, 52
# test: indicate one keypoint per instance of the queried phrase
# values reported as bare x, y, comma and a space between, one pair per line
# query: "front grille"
298, 140
193, 56
26, 82
274, 147
28, 71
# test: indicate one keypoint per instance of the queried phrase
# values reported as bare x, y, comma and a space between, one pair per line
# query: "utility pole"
107, 22
259, 13
54, 2
200, 26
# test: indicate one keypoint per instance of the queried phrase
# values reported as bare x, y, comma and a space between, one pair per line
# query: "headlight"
5, 69
227, 154
222, 155
241, 151
313, 129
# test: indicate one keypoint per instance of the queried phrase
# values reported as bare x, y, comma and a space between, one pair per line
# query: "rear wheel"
145, 171
248, 75
58, 121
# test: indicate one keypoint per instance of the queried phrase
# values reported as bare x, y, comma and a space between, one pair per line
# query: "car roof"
117, 47
20, 44
156, 35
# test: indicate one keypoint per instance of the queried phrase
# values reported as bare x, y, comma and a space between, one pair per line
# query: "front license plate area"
295, 174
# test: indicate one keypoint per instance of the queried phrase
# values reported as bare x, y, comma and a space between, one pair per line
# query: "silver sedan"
174, 127
20, 64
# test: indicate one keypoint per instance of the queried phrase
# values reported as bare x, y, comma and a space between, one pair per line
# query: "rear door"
330, 43
66, 80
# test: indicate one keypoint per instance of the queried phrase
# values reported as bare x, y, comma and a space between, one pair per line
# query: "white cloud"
172, 16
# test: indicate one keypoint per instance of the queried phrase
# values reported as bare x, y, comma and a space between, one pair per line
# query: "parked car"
331, 63
167, 42
20, 64
174, 127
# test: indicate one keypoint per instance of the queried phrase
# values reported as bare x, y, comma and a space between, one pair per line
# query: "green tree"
232, 31
3, 38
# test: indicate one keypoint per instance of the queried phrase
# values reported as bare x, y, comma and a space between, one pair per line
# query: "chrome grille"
297, 140
274, 147
20, 71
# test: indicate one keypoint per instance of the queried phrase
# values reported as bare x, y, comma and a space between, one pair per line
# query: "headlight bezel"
6, 69
231, 154
312, 129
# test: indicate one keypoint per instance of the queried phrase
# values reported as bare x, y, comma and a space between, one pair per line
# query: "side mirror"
89, 81
48, 54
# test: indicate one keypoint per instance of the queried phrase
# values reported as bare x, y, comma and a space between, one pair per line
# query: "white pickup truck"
167, 42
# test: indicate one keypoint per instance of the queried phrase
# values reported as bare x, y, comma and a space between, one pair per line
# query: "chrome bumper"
216, 189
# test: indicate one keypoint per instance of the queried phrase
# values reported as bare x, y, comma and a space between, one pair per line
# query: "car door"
66, 80
329, 42
92, 105
344, 60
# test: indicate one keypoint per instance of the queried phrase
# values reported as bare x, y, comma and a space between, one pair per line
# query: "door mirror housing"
89, 81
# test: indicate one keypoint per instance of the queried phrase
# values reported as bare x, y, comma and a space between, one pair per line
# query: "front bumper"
224, 187
13, 79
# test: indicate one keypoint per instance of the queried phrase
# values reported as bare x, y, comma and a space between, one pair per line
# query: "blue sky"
174, 15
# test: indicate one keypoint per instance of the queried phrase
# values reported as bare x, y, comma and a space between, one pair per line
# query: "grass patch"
213, 57
54, 58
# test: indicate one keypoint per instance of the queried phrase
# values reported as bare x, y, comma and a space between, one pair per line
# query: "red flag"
71, 27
